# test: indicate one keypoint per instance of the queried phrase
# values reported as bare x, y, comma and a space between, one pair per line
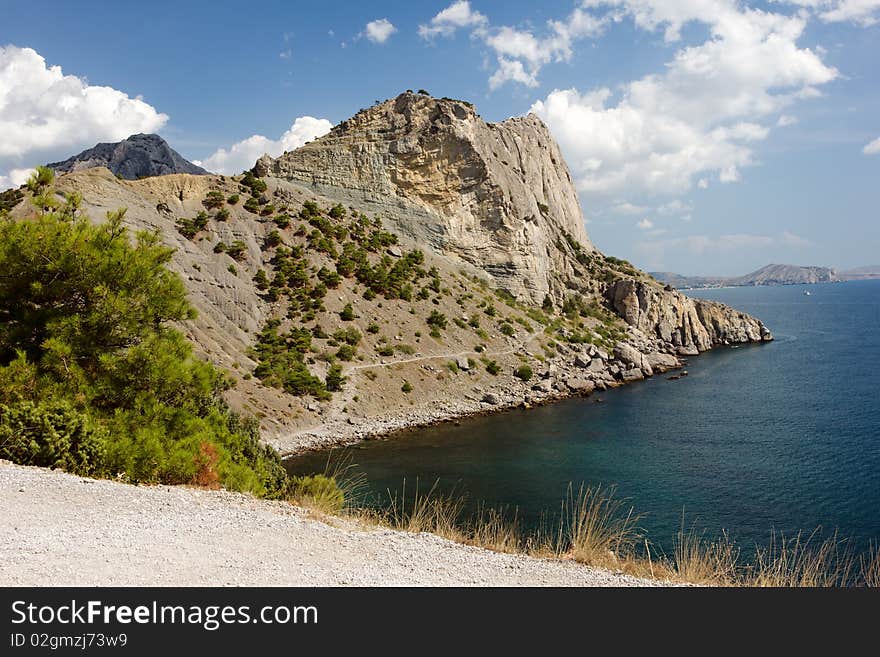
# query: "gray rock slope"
139, 156
495, 195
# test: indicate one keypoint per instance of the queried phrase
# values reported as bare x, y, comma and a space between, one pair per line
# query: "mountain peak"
498, 196
138, 156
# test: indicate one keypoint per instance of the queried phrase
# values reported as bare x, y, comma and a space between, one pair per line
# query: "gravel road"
57, 529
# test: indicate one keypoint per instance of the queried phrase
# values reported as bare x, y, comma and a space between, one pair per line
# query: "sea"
782, 437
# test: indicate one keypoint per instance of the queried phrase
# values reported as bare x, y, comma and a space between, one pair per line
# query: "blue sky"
705, 136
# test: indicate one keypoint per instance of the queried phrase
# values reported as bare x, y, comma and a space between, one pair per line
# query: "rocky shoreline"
577, 372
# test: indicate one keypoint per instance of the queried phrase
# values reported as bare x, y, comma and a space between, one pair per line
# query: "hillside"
139, 156
413, 265
767, 275
868, 272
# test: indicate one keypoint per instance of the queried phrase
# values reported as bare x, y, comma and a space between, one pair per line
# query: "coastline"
564, 382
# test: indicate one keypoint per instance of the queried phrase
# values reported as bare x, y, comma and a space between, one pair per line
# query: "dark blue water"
783, 436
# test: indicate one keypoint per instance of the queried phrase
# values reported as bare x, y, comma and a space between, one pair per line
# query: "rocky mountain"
868, 272
139, 156
415, 264
767, 275
786, 275
497, 196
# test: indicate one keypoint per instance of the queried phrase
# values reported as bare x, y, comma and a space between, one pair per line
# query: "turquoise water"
782, 436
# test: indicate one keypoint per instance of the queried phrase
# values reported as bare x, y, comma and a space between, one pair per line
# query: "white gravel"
57, 529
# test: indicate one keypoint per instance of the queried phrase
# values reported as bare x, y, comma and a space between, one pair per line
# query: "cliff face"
139, 156
496, 195
687, 325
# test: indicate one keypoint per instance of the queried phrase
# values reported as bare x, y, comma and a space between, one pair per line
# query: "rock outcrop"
498, 196
687, 324
139, 156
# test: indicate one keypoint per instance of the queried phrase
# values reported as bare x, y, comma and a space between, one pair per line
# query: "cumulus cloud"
627, 208
699, 117
872, 148
860, 12
656, 252
379, 31
645, 224
786, 120
243, 154
46, 115
456, 16
520, 53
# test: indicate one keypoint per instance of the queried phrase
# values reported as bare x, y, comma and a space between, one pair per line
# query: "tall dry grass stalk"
800, 561
594, 529
426, 512
700, 561
870, 566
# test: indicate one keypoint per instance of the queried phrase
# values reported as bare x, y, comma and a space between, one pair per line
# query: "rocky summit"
139, 156
497, 196
415, 264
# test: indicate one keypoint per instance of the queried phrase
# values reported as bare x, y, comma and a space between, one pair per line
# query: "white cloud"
625, 207
645, 224
656, 252
285, 54
861, 12
511, 70
699, 116
243, 154
456, 16
520, 53
675, 207
379, 31
46, 115
786, 120
872, 148
15, 178
790, 239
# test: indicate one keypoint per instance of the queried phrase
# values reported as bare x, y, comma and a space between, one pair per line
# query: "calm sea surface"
781, 436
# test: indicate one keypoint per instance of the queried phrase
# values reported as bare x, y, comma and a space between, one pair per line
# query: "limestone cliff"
496, 195
689, 325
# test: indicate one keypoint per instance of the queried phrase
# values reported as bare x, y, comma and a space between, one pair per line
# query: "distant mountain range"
139, 156
770, 275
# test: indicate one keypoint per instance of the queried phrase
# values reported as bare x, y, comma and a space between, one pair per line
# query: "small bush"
334, 380
347, 313
220, 247
406, 388
316, 491
272, 240
493, 368
213, 200
261, 280
523, 373
233, 199
437, 320
507, 329
237, 249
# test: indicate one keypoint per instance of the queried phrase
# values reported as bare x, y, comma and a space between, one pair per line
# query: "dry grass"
700, 561
596, 529
800, 561
870, 567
